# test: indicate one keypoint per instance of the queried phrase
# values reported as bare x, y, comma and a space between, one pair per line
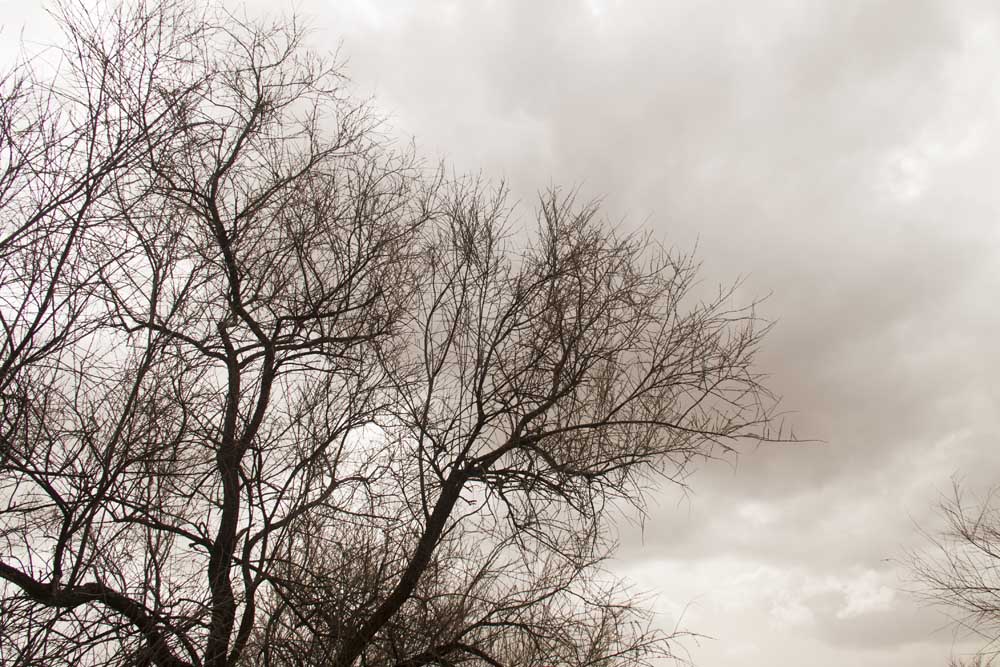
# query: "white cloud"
865, 594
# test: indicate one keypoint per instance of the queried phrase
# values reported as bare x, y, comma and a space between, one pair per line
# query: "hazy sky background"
839, 155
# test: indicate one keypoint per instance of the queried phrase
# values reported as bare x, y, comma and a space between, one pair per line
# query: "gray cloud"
840, 155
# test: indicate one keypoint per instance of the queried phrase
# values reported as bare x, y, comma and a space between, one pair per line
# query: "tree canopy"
275, 392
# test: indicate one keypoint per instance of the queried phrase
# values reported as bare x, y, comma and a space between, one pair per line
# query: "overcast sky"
838, 155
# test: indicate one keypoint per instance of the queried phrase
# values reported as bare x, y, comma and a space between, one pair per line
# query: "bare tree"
273, 392
958, 570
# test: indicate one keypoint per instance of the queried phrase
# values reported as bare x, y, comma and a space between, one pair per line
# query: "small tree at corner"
957, 570
272, 393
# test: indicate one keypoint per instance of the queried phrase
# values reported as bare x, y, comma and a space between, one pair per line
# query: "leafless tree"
958, 570
275, 393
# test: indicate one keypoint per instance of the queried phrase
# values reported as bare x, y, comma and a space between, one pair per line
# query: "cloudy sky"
839, 156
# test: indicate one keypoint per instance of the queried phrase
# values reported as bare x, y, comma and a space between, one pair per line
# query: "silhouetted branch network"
275, 393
